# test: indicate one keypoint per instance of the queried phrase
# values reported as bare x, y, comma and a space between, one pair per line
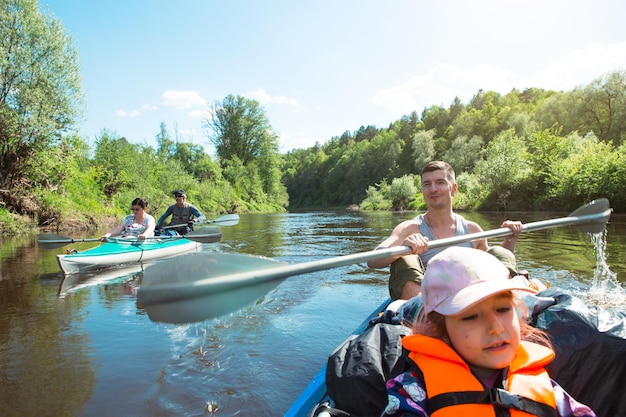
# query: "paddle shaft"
57, 241
216, 284
65, 240
226, 220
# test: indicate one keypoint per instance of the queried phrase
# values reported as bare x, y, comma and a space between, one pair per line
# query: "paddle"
225, 220
52, 241
200, 236
198, 286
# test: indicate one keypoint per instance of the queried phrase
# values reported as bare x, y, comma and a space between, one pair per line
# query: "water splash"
605, 289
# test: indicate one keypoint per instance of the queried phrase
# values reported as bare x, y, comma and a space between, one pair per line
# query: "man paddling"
182, 214
438, 222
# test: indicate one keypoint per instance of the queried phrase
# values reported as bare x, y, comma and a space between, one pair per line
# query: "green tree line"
525, 150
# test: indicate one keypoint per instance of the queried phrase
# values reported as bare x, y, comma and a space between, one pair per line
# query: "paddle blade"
226, 220
598, 212
205, 235
52, 241
175, 291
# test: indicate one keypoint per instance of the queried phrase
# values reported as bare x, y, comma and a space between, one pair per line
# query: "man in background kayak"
438, 222
182, 213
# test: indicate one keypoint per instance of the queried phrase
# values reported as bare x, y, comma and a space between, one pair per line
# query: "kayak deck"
118, 251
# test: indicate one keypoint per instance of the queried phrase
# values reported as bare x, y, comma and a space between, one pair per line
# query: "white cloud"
578, 67
182, 99
442, 83
135, 112
200, 114
264, 98
124, 113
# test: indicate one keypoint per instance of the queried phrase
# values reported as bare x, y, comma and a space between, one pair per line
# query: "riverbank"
12, 224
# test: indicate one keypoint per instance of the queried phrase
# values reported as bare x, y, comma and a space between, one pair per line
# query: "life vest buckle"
503, 398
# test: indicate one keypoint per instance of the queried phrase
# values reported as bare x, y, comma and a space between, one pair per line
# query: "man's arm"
509, 241
406, 233
165, 215
481, 244
196, 213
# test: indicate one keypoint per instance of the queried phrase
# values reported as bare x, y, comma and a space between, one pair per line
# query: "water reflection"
73, 283
42, 349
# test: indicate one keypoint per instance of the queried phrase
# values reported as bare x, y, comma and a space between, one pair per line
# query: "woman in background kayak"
139, 224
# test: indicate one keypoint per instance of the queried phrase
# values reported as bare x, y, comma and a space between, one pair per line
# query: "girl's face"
487, 334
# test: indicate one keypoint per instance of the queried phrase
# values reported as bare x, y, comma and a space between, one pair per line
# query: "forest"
525, 150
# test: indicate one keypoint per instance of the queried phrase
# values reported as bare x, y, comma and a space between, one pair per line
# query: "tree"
402, 191
594, 169
547, 151
602, 107
165, 145
423, 148
40, 88
114, 159
247, 148
504, 167
463, 153
436, 118
269, 165
238, 127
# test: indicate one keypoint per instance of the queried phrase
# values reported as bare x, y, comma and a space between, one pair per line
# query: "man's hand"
417, 242
515, 226
510, 241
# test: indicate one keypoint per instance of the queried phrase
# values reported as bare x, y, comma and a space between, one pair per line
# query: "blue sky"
320, 68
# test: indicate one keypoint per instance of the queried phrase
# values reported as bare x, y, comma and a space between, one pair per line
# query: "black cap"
180, 192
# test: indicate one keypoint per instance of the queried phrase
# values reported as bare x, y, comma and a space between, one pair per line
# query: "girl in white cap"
472, 354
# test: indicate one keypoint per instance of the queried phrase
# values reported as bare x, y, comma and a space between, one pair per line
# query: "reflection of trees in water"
45, 367
20, 261
45, 356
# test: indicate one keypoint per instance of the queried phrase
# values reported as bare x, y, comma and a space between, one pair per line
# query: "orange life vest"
453, 390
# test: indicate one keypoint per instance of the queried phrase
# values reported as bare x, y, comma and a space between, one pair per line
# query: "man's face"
438, 188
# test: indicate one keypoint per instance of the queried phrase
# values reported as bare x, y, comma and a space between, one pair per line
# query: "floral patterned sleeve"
406, 396
568, 406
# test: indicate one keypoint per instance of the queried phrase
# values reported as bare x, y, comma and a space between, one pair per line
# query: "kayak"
589, 342
117, 251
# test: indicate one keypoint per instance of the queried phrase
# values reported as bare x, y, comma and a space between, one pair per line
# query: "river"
91, 350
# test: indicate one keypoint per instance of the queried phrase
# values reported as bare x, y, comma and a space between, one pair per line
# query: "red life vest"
453, 390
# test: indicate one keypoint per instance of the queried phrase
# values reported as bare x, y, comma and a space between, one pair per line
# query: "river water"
85, 348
